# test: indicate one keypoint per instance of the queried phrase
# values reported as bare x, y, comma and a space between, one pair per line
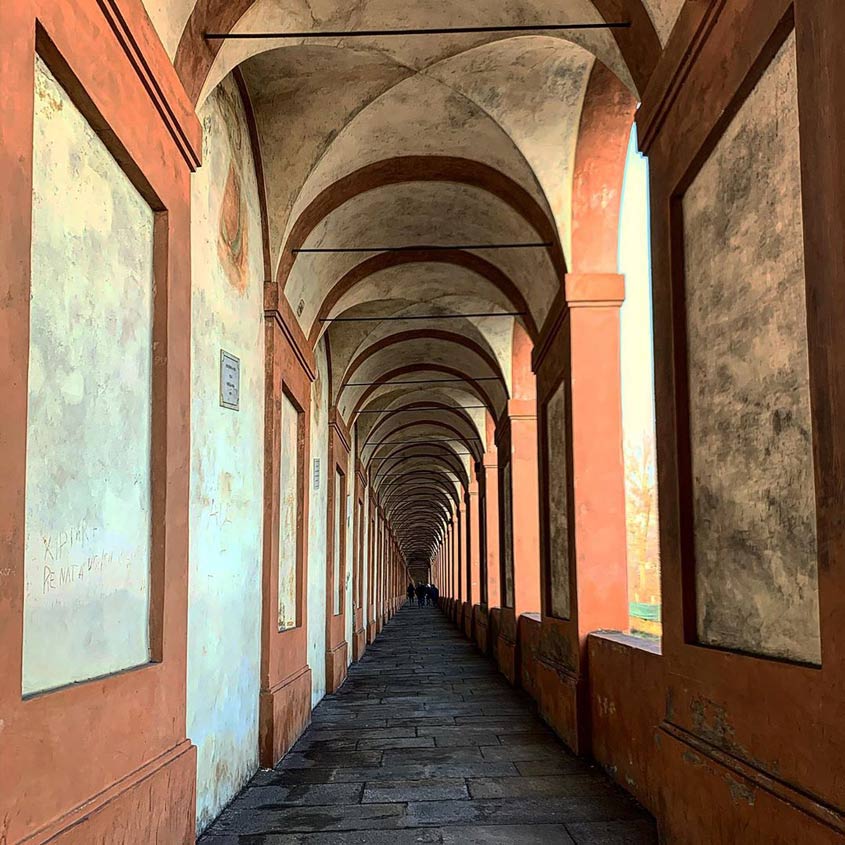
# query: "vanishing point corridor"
529, 310
427, 743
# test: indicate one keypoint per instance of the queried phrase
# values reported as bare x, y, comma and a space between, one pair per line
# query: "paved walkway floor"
427, 743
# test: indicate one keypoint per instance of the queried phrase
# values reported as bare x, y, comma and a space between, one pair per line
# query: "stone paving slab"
426, 744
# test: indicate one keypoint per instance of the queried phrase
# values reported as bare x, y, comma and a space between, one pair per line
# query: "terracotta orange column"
474, 546
491, 530
601, 575
450, 554
526, 506
461, 551
456, 561
339, 486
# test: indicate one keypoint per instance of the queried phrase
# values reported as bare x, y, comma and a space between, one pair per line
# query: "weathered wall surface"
288, 517
351, 487
317, 537
224, 613
627, 691
558, 502
663, 14
88, 508
507, 535
365, 566
754, 496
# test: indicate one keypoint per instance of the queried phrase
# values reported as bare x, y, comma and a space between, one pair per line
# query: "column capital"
594, 290
522, 409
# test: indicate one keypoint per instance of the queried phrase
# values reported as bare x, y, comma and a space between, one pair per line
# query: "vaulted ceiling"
397, 153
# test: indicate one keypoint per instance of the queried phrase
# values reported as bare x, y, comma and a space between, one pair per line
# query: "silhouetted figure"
410, 591
435, 595
420, 595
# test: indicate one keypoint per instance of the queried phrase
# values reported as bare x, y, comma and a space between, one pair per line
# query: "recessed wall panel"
339, 513
88, 491
507, 551
558, 503
749, 394
288, 514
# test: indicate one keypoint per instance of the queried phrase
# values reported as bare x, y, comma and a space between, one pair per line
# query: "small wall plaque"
230, 381
316, 473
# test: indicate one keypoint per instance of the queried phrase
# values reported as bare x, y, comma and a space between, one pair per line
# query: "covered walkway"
427, 743
537, 304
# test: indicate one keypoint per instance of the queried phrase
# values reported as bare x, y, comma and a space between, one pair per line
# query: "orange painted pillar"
473, 546
601, 573
456, 561
491, 531
526, 506
461, 553
450, 551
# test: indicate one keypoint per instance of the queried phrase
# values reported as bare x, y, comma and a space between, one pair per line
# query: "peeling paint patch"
740, 792
692, 758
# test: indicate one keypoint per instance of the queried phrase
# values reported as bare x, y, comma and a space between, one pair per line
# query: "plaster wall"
351, 487
288, 518
337, 532
88, 504
365, 563
558, 503
226, 518
317, 536
507, 535
750, 427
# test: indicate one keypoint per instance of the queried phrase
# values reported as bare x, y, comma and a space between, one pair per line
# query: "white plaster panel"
317, 528
338, 549
507, 535
751, 431
556, 452
289, 514
88, 507
351, 539
227, 459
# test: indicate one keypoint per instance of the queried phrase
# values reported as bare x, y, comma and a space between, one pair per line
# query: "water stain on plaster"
233, 240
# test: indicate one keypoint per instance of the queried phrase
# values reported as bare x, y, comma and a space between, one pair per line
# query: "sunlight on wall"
638, 398
88, 530
227, 459
317, 536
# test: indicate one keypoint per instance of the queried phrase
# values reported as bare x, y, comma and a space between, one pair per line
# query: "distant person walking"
410, 592
435, 595
420, 595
